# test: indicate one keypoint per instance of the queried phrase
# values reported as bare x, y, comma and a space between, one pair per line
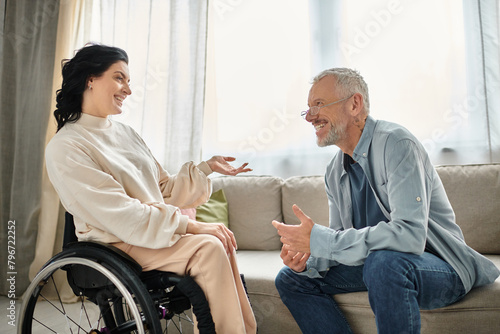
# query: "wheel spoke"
61, 311
44, 325
114, 285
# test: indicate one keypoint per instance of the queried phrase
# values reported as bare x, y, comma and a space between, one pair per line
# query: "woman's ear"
90, 81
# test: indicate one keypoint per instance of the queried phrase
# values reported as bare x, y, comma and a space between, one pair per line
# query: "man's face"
331, 121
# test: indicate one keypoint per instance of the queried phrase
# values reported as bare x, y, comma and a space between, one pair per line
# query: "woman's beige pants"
203, 257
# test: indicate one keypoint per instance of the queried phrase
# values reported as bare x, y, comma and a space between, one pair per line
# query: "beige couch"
254, 201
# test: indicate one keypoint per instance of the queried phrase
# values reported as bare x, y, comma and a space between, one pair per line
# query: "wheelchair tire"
85, 316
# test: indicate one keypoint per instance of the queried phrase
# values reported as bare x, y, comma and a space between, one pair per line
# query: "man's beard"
336, 133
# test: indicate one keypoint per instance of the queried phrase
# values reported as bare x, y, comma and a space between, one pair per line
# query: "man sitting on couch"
392, 229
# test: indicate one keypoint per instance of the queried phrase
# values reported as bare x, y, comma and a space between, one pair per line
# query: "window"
263, 54
257, 82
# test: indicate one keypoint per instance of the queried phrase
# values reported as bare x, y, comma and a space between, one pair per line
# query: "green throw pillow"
215, 210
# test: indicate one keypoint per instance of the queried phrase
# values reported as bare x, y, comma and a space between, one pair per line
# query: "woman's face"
105, 94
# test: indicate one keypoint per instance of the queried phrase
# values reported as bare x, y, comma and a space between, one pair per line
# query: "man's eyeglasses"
314, 110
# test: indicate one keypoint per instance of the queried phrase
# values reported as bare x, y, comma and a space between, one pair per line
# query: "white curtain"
165, 41
482, 19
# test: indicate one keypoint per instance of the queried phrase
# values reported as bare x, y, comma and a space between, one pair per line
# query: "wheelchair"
114, 294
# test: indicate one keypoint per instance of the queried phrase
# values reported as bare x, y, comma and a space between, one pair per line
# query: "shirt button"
418, 199
364, 154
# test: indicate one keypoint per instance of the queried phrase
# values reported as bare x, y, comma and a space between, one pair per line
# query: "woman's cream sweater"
107, 178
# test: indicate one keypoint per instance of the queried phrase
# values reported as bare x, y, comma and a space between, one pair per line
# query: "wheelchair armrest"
95, 249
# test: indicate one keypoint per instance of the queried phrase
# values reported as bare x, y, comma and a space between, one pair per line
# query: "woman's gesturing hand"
220, 165
219, 230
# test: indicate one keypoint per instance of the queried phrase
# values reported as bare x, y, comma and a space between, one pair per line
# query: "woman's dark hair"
90, 61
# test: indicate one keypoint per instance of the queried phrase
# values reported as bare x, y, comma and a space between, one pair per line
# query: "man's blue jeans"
398, 284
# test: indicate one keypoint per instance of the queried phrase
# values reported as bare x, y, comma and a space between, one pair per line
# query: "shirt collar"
94, 122
361, 149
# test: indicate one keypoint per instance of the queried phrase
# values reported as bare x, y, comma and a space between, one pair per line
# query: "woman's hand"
218, 230
220, 165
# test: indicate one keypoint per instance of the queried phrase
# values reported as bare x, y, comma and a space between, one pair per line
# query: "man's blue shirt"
411, 196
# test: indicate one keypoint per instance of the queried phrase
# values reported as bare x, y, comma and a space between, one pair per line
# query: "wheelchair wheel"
121, 305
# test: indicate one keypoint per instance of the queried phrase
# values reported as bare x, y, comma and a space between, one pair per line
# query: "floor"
46, 313
6, 328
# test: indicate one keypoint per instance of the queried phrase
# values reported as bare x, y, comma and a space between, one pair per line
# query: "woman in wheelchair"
107, 178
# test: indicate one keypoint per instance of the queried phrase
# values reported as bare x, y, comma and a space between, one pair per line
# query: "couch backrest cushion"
308, 192
473, 190
474, 194
253, 203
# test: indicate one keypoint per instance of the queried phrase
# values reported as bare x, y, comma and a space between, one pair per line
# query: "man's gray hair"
349, 82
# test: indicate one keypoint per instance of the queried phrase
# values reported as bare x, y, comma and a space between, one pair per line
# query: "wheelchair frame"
110, 284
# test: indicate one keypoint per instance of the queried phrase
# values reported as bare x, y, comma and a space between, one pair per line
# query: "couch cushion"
260, 269
308, 192
474, 192
477, 312
253, 203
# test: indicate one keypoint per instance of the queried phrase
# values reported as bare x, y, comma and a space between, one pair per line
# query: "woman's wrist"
192, 226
